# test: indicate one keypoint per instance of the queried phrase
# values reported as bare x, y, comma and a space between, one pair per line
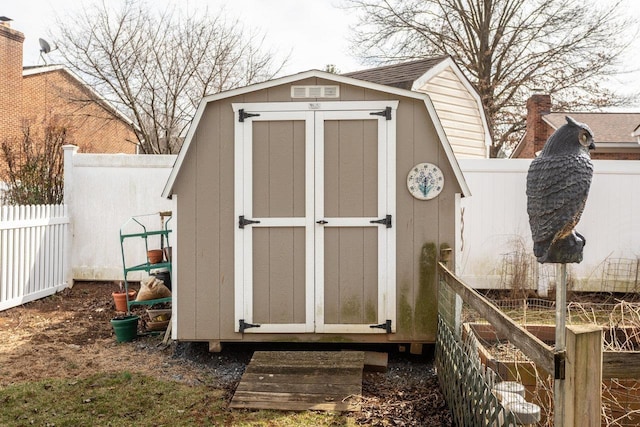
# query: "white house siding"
459, 113
494, 226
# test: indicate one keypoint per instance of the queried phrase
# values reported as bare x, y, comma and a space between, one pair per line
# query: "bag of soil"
152, 288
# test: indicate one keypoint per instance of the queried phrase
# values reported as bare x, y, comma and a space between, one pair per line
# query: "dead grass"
126, 399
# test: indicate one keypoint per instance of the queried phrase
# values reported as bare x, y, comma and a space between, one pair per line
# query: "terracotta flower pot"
154, 256
120, 299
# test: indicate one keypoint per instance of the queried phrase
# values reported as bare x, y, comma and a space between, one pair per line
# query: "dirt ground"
68, 335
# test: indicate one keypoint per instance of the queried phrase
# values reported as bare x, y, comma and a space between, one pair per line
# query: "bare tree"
157, 65
507, 48
34, 166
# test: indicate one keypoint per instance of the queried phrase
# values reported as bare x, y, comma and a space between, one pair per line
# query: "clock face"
425, 181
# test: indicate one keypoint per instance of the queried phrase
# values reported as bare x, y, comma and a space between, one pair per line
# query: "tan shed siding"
459, 114
351, 180
185, 284
427, 222
405, 222
208, 224
279, 297
349, 272
279, 175
419, 222
224, 168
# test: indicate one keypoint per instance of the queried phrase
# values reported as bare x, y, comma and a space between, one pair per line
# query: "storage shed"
311, 208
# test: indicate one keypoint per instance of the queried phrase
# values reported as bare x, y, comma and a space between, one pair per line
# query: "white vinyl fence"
45, 248
33, 252
494, 239
102, 192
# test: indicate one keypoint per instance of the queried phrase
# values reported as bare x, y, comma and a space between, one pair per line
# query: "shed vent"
315, 91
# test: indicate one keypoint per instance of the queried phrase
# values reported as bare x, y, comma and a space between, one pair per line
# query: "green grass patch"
127, 399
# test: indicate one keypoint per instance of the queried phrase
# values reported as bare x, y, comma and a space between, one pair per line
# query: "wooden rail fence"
577, 372
540, 353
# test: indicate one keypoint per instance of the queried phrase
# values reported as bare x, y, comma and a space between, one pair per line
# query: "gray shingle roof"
398, 75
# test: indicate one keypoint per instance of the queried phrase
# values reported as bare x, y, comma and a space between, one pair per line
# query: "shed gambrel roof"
428, 76
168, 190
402, 75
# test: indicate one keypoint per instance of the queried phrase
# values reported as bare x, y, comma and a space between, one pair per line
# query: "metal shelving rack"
144, 233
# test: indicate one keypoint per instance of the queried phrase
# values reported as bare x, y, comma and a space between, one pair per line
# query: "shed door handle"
322, 222
242, 221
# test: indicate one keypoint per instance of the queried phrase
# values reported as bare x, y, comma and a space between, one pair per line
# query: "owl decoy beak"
592, 146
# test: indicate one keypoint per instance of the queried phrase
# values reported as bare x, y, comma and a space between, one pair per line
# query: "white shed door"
315, 204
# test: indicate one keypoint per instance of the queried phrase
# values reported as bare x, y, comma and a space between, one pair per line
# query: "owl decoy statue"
558, 183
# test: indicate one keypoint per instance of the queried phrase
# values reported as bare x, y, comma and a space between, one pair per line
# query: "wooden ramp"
301, 380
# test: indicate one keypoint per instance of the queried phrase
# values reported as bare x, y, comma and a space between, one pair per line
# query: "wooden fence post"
583, 376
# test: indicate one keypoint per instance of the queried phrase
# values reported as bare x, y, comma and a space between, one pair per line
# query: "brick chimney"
538, 131
10, 80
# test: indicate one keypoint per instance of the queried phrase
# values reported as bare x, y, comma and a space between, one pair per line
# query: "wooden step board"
301, 380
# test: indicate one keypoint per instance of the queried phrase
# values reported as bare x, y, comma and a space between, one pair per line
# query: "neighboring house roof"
168, 190
456, 101
610, 129
41, 69
636, 132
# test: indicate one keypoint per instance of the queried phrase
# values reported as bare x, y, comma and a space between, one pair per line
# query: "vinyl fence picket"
33, 243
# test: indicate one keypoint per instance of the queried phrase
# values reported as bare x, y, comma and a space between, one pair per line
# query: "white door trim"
312, 106
313, 113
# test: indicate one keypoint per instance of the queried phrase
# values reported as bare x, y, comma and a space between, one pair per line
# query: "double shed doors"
315, 204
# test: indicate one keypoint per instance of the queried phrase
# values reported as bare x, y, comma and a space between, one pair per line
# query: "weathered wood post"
560, 344
449, 302
583, 377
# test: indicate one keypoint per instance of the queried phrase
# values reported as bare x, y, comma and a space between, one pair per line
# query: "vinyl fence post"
69, 152
583, 376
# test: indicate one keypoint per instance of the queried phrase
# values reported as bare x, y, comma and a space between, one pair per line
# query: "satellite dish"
45, 47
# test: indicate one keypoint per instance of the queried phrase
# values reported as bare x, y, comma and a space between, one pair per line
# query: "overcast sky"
314, 31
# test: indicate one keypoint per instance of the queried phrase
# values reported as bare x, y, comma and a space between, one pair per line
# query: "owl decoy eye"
584, 138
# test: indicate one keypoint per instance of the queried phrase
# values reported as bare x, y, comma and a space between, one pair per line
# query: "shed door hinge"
386, 326
386, 113
385, 221
242, 221
243, 325
244, 115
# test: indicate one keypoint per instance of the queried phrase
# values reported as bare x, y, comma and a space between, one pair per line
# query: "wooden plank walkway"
301, 380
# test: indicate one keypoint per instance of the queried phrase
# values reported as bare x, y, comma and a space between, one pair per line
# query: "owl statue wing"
557, 189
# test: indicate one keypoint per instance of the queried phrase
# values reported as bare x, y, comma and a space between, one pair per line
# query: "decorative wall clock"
425, 181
